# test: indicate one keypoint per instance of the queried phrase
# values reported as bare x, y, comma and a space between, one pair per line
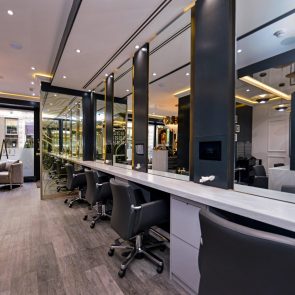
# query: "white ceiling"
37, 27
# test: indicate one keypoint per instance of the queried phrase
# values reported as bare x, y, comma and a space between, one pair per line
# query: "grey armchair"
242, 256
260, 178
131, 219
11, 173
75, 181
98, 192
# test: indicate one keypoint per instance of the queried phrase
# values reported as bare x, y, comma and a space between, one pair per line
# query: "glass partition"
122, 116
100, 129
169, 100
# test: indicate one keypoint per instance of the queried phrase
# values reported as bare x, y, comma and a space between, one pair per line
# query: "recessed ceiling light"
127, 90
239, 50
10, 12
136, 46
154, 74
32, 83
64, 77
33, 94
262, 95
55, 95
248, 90
78, 50
187, 74
89, 90
143, 49
106, 75
33, 68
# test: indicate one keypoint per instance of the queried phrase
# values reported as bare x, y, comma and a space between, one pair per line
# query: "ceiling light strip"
20, 95
265, 87
244, 99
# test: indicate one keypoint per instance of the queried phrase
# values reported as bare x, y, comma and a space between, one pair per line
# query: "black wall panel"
292, 133
109, 103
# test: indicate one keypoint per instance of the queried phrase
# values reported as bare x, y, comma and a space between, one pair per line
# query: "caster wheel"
92, 225
111, 252
65, 201
70, 205
85, 217
121, 273
160, 269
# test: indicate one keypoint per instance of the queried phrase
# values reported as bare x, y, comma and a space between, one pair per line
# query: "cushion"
8, 164
2, 166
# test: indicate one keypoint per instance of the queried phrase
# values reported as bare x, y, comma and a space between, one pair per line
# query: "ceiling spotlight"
127, 90
187, 74
106, 75
154, 74
136, 46
10, 12
33, 94
239, 50
281, 107
262, 95
33, 68
262, 100
64, 77
78, 50
144, 49
32, 83
55, 95
248, 90
89, 90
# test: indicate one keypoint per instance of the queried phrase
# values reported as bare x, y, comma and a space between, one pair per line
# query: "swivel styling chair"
75, 181
131, 219
98, 192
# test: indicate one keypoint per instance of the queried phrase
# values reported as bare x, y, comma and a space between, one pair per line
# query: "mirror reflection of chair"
260, 177
98, 193
131, 219
288, 189
75, 180
242, 256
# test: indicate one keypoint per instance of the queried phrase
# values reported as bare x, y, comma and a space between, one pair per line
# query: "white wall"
270, 136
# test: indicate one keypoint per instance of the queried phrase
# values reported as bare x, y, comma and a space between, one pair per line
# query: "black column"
60, 135
89, 116
140, 109
292, 133
109, 103
37, 143
212, 95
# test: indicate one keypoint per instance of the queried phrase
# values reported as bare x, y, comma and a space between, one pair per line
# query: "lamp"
171, 122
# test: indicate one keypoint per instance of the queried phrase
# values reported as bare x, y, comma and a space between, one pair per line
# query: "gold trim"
245, 99
42, 75
20, 95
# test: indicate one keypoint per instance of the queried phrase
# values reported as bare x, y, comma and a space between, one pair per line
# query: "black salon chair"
260, 178
75, 180
132, 218
245, 257
98, 193
288, 188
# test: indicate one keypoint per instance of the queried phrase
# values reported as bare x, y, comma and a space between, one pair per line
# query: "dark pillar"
60, 135
212, 94
140, 109
109, 103
89, 121
292, 133
37, 143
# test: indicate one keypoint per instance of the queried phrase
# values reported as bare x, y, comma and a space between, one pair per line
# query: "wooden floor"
46, 248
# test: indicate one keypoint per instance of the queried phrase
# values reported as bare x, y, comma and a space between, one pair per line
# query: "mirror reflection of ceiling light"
239, 50
10, 12
281, 107
265, 87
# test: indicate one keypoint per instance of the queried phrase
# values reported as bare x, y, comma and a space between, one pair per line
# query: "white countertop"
278, 213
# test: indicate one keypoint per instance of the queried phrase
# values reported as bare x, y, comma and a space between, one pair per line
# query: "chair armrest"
16, 173
150, 214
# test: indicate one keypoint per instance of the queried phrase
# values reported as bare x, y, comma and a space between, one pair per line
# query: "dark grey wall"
140, 107
183, 132
212, 83
292, 133
245, 115
109, 103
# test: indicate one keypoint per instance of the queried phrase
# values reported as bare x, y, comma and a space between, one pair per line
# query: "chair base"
137, 250
78, 199
100, 215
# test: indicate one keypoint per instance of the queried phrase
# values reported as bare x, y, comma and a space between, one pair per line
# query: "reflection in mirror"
122, 116
263, 133
100, 125
61, 137
169, 100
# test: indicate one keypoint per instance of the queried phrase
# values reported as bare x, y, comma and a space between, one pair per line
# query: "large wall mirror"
263, 106
100, 129
122, 116
169, 100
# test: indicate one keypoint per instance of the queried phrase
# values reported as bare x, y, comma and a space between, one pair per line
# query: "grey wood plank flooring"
46, 248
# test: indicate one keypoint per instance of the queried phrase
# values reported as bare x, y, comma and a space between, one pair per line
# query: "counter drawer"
185, 222
184, 263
